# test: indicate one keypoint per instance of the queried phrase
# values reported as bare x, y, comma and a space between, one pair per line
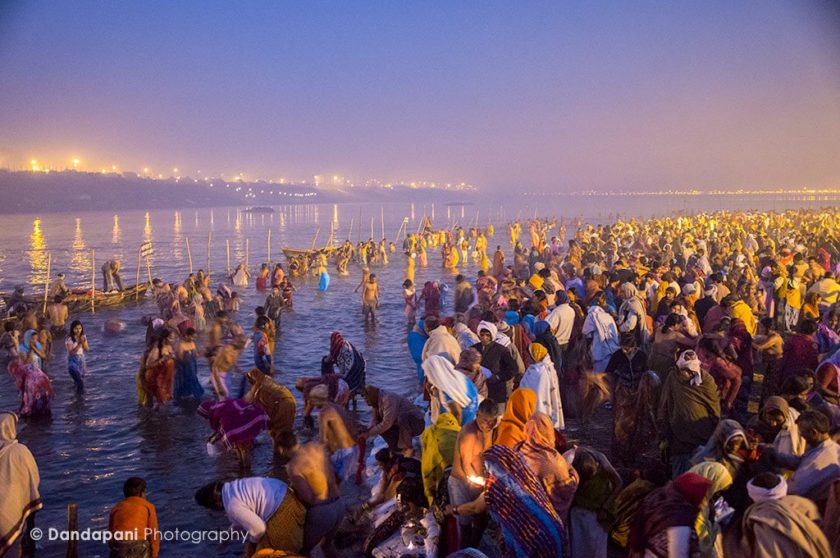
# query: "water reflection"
147, 229
37, 254
80, 258
116, 234
178, 244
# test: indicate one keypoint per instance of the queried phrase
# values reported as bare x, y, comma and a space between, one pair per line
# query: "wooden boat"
258, 209
79, 300
298, 252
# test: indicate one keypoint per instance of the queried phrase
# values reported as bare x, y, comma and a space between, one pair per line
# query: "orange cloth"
135, 514
520, 407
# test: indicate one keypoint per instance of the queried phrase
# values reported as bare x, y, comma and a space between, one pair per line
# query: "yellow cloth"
538, 351
740, 311
284, 529
438, 443
520, 407
708, 531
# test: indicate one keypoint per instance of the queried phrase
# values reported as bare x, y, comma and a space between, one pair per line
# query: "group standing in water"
663, 328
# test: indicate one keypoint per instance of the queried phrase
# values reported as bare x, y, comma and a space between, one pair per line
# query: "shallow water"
92, 444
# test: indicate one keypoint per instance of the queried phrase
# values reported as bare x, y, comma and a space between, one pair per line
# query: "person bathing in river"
262, 345
337, 431
77, 345
57, 313
240, 276
370, 298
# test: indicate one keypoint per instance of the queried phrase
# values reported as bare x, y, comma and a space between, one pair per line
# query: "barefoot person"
312, 478
337, 432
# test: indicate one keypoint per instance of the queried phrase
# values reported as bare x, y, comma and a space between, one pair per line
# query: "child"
135, 519
262, 351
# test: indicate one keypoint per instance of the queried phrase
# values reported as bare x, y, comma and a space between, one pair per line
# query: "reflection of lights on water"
212, 220
462, 212
335, 213
147, 228
177, 225
80, 260
116, 234
412, 212
448, 213
433, 212
37, 253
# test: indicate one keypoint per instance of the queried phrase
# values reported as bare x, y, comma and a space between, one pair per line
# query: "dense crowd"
710, 342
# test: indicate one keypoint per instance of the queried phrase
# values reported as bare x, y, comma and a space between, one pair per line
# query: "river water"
90, 445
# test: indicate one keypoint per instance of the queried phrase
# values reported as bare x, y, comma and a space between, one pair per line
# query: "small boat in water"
79, 300
258, 209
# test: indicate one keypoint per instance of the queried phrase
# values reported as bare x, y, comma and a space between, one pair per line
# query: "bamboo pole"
359, 232
269, 247
47, 282
350, 230
209, 238
227, 246
371, 228
149, 269
93, 281
137, 279
72, 527
247, 251
189, 255
382, 220
315, 238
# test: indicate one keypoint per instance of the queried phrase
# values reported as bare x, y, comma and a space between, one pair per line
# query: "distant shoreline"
58, 192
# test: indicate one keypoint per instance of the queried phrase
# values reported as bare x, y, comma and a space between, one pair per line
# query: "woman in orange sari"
160, 367
520, 407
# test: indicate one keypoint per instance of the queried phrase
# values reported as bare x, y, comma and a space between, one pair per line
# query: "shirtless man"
467, 468
337, 432
57, 313
370, 298
312, 478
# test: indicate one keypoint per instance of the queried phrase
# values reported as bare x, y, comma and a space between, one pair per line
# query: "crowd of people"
708, 343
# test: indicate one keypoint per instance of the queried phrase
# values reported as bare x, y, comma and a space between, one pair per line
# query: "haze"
540, 96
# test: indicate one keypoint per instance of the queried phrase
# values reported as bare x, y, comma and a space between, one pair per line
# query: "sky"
523, 96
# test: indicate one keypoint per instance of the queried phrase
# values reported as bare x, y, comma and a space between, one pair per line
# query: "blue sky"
534, 95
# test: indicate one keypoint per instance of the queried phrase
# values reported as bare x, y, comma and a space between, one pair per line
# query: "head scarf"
520, 407
715, 448
539, 431
693, 487
759, 494
518, 502
8, 429
628, 291
441, 373
541, 327
690, 361
489, 327
538, 351
336, 344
